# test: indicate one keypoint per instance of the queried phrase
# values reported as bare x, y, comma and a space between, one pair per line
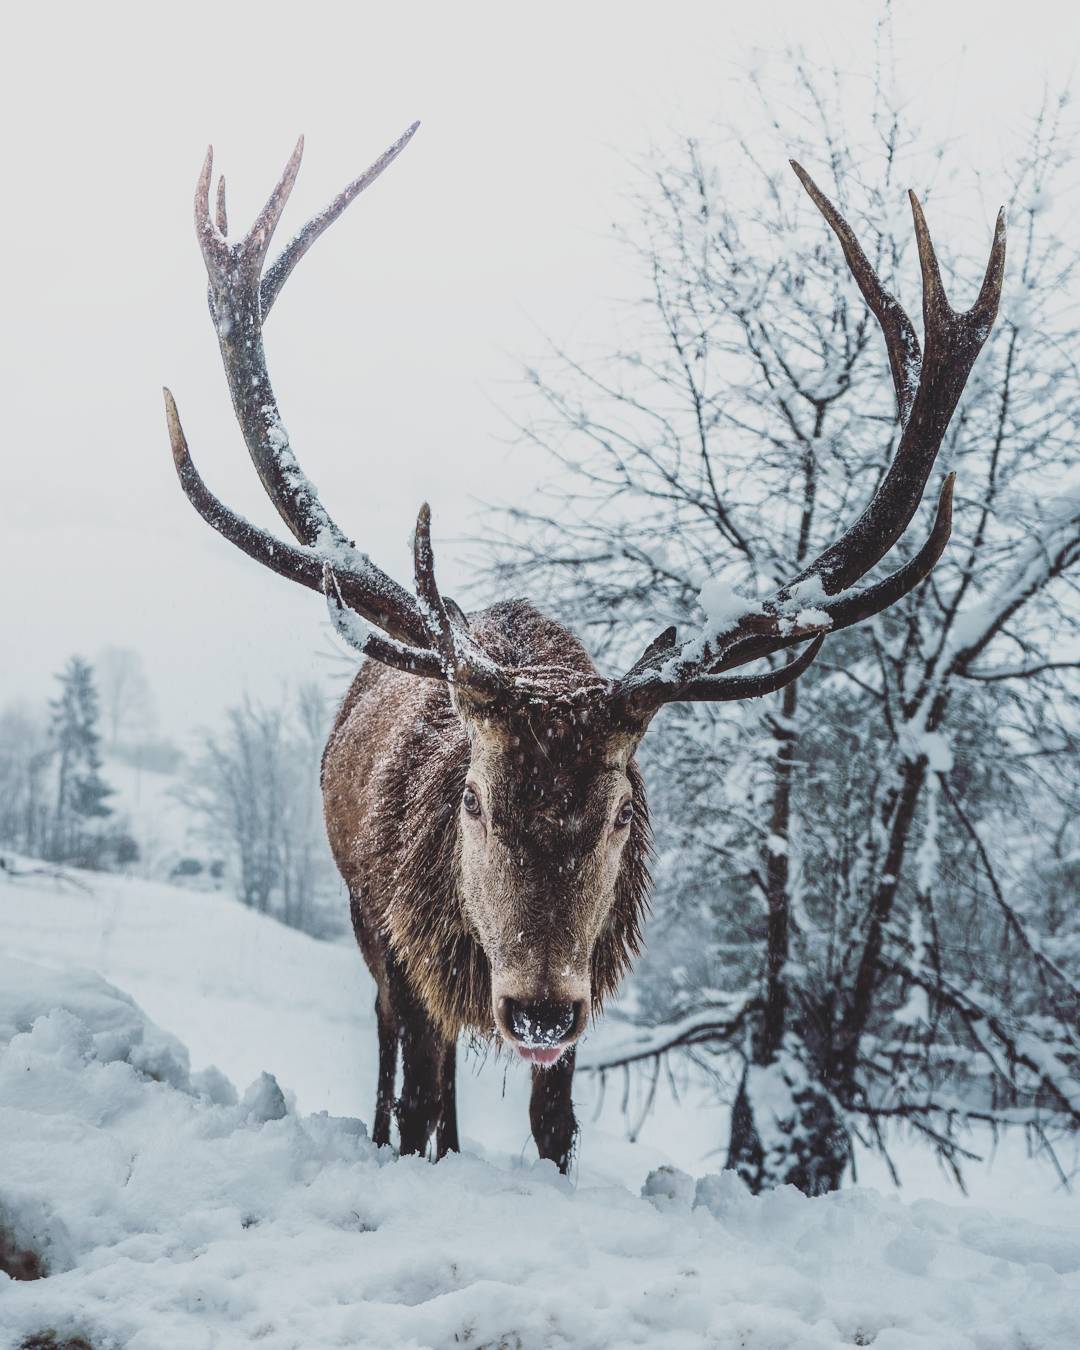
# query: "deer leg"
446, 1133
418, 1105
423, 1050
388, 1057
551, 1112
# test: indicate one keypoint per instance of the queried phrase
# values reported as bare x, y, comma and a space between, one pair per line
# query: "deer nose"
546, 1023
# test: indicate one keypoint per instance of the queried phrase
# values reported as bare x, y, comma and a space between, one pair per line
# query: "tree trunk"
785, 1127
786, 1130
58, 849
777, 881
868, 974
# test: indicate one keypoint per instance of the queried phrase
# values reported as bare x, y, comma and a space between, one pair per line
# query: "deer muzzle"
540, 1021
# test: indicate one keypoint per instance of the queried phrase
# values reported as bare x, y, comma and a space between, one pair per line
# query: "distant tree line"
247, 798
54, 801
254, 786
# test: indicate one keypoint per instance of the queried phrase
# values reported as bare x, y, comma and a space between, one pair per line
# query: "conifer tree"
81, 792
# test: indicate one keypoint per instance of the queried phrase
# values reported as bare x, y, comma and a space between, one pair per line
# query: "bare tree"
256, 789
836, 846
25, 798
127, 702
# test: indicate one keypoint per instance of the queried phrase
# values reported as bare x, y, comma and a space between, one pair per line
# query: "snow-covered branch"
715, 1026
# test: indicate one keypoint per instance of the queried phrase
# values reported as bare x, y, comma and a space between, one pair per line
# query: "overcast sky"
394, 348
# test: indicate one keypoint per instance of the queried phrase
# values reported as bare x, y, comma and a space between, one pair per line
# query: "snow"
934, 745
179, 1209
928, 854
772, 1089
810, 591
1047, 545
722, 604
116, 1029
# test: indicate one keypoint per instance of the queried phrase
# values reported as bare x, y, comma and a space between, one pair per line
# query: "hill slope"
174, 1211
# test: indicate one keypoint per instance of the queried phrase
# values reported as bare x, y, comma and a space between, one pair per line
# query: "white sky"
393, 347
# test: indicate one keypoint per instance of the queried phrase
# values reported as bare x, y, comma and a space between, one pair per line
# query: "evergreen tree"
81, 792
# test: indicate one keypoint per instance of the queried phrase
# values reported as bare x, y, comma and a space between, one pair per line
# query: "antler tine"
952, 344
463, 663
901, 341
663, 642
379, 599
855, 606
349, 598
360, 635
432, 609
279, 270
938, 315
641, 689
935, 302
985, 308
251, 250
221, 216
718, 689
257, 241
211, 238
928, 384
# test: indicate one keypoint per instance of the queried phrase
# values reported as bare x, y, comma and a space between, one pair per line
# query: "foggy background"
397, 346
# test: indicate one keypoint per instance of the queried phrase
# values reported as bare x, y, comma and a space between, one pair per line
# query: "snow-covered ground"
174, 1211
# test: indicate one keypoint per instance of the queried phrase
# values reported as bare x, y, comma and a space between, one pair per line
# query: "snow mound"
169, 1213
117, 1028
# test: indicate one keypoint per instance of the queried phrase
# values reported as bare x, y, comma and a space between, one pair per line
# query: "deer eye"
625, 816
471, 802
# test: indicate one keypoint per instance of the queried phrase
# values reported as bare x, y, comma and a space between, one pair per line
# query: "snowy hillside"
248, 994
172, 1210
151, 804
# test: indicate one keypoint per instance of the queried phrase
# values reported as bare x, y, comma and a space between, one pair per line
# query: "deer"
483, 802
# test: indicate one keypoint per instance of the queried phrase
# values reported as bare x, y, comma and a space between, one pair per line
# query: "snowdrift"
172, 1210
169, 1211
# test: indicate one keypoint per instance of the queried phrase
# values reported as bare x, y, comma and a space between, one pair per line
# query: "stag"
482, 798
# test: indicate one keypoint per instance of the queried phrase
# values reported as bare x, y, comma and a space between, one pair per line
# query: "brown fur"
394, 772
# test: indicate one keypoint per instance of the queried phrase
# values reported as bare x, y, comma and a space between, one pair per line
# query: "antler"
426, 636
429, 635
818, 600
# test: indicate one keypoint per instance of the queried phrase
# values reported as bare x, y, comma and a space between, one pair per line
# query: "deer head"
550, 811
